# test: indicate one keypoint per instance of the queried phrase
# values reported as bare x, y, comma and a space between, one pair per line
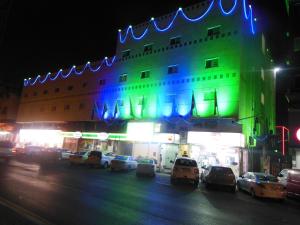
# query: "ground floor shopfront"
147, 140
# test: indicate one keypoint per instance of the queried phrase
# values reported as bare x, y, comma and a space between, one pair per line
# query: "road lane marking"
24, 212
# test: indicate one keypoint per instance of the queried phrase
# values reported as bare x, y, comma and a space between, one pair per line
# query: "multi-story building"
9, 102
201, 73
292, 72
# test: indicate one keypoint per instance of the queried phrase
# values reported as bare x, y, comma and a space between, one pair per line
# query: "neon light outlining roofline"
248, 14
180, 11
73, 70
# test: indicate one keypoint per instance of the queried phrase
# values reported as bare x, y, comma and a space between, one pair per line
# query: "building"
9, 102
197, 81
293, 74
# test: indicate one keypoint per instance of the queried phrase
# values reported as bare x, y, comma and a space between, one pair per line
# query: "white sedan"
122, 162
146, 167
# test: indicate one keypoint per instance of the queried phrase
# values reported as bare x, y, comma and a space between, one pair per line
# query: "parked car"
6, 150
65, 154
97, 159
79, 158
122, 162
261, 185
146, 167
185, 169
290, 178
31, 150
219, 176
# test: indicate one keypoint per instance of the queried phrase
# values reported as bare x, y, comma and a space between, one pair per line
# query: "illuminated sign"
140, 131
298, 134
216, 138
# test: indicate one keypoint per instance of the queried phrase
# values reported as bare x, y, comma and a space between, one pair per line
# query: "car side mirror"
280, 175
171, 161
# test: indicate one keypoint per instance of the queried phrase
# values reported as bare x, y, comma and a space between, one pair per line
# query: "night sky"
43, 36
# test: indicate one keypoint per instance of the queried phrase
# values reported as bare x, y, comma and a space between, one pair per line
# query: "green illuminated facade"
202, 65
213, 69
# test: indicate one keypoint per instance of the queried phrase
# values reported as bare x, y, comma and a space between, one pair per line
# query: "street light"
276, 70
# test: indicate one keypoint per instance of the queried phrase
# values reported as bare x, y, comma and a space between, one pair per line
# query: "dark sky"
46, 35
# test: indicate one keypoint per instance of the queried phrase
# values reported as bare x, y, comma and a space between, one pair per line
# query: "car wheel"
252, 192
233, 189
105, 166
238, 186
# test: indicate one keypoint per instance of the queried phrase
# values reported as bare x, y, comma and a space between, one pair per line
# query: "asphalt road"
60, 194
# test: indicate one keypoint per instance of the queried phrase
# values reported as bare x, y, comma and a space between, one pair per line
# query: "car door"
242, 181
249, 182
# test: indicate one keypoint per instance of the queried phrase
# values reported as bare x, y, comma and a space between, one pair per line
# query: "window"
70, 88
262, 98
141, 101
123, 78
213, 31
148, 48
175, 41
262, 74
101, 82
126, 53
145, 74
56, 90
210, 63
45, 92
173, 69
67, 107
209, 96
120, 102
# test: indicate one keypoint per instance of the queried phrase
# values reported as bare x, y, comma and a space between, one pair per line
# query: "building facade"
292, 71
202, 73
9, 102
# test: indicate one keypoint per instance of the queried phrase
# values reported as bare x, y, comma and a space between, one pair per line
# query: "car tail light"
196, 170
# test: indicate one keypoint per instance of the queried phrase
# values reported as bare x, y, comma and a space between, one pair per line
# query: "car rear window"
146, 161
186, 162
223, 170
266, 178
121, 157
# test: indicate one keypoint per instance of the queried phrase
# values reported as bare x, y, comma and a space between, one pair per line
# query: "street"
61, 194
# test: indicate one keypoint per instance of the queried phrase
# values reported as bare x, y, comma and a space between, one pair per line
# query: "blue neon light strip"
73, 70
248, 16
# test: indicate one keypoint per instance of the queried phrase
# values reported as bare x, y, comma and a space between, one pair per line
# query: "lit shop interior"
144, 140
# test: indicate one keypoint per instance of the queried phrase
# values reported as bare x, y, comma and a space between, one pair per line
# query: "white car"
65, 154
122, 162
146, 167
185, 169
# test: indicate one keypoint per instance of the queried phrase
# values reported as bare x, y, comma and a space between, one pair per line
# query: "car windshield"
81, 153
186, 162
223, 170
121, 157
146, 161
263, 177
